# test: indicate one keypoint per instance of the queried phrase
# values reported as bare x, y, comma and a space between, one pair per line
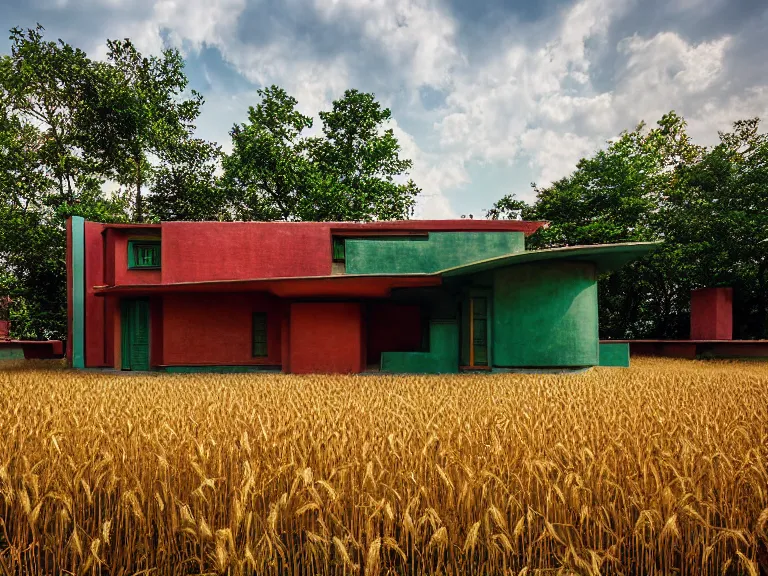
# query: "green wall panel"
78, 292
442, 358
545, 315
440, 251
614, 354
11, 353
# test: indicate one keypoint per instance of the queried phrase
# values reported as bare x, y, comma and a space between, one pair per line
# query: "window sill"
143, 267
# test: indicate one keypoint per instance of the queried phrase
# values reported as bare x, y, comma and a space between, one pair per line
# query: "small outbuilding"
419, 296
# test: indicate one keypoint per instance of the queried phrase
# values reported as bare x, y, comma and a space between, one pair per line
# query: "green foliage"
708, 205
349, 173
69, 125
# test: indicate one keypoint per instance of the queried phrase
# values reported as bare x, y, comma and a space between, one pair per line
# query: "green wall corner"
78, 292
442, 358
439, 251
614, 354
545, 315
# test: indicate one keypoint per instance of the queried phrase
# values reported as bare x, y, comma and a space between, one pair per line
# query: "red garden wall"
216, 329
326, 337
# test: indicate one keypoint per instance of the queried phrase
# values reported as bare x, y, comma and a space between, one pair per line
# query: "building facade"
324, 297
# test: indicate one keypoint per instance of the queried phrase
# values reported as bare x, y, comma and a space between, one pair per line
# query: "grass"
661, 468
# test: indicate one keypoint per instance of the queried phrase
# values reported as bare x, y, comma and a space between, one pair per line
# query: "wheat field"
657, 469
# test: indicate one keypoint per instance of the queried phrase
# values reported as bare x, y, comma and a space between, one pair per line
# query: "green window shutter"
143, 254
338, 250
259, 344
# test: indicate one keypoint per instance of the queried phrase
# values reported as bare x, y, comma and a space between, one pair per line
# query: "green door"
135, 334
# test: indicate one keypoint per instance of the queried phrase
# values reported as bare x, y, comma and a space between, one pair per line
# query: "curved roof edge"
607, 257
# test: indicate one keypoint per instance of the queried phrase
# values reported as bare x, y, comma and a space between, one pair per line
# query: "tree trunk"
762, 299
138, 211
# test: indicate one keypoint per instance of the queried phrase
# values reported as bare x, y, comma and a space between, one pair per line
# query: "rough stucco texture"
326, 337
712, 314
217, 329
545, 315
200, 251
439, 251
442, 358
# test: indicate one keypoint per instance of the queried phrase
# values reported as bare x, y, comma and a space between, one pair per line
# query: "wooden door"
135, 334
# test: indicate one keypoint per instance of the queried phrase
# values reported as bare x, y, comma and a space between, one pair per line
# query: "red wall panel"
124, 275
156, 331
216, 329
199, 251
392, 327
95, 351
326, 337
712, 314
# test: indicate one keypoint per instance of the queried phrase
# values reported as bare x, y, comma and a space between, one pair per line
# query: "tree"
135, 108
277, 173
45, 176
268, 175
359, 160
185, 186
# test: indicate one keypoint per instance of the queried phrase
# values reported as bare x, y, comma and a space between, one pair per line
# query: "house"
431, 296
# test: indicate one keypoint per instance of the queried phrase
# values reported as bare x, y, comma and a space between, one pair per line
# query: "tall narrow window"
259, 344
338, 250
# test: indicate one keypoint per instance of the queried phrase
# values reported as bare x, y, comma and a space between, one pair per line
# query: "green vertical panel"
439, 251
545, 314
78, 292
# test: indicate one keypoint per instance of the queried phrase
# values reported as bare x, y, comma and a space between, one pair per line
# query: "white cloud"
529, 98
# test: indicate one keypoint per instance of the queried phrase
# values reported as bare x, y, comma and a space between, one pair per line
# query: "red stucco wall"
216, 329
95, 326
156, 331
70, 307
712, 314
326, 337
199, 251
124, 275
392, 327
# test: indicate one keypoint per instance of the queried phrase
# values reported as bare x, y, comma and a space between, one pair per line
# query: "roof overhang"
607, 257
337, 286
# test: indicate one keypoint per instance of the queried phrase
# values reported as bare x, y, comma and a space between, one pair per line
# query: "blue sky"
487, 96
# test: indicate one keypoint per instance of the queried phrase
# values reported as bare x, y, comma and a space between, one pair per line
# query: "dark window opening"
259, 343
338, 250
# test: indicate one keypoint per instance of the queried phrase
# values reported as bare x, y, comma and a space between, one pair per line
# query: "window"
338, 250
259, 344
143, 254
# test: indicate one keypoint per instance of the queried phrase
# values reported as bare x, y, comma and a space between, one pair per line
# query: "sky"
487, 97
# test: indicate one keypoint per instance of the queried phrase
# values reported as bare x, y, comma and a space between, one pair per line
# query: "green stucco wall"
614, 354
545, 315
439, 251
442, 358
11, 353
78, 292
